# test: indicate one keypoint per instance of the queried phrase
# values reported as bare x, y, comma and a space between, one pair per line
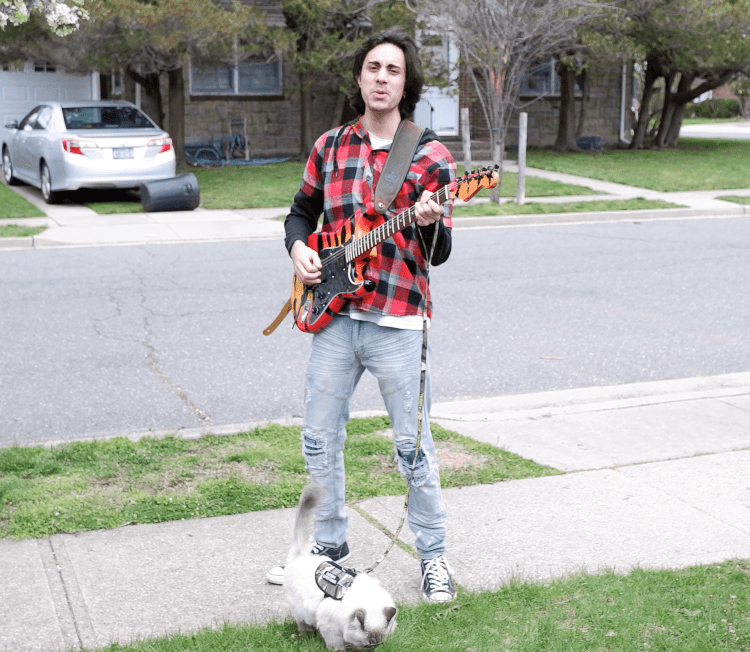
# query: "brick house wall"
603, 99
273, 123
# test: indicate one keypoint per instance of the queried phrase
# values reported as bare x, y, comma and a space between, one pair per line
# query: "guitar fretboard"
360, 246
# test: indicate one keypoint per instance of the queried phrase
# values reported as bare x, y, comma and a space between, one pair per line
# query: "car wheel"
8, 169
49, 196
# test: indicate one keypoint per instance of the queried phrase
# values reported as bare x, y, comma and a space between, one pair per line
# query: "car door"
37, 140
19, 150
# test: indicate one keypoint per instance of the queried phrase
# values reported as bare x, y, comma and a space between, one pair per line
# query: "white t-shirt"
405, 322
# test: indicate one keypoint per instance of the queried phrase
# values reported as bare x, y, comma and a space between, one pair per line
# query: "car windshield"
105, 117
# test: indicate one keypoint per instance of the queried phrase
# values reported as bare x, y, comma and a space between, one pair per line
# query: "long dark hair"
414, 75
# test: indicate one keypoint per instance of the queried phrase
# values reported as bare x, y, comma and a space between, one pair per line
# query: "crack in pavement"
180, 393
153, 361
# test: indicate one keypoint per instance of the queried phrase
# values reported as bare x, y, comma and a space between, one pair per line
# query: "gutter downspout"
96, 89
623, 91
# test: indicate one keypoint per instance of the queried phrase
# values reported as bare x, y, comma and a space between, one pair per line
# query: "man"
382, 331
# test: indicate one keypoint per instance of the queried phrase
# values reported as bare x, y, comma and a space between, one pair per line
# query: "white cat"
364, 617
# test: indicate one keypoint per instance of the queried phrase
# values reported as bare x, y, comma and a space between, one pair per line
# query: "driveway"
732, 130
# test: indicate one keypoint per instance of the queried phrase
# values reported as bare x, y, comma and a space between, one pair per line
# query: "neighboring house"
608, 108
259, 100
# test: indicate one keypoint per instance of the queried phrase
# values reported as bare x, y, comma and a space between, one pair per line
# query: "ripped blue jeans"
339, 354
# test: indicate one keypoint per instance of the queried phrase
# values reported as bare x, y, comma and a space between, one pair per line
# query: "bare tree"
326, 34
501, 40
694, 46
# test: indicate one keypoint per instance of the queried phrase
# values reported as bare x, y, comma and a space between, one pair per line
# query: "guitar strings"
360, 243
358, 247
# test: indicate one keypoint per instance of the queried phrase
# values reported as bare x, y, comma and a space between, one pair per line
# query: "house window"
247, 78
542, 79
44, 66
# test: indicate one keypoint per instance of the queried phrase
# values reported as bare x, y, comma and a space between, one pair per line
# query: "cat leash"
420, 404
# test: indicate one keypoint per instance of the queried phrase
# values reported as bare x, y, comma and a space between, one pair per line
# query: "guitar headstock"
471, 183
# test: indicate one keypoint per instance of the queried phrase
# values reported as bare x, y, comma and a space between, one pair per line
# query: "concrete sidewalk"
656, 476
74, 225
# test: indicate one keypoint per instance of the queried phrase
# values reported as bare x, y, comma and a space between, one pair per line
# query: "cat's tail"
307, 509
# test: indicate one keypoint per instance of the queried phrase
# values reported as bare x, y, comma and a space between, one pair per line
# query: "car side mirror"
12, 125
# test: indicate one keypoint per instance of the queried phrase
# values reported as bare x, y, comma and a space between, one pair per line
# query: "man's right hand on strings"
307, 264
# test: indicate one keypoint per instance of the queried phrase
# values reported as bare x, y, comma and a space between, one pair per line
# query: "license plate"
122, 152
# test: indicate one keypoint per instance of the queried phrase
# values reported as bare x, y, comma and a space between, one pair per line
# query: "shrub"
713, 108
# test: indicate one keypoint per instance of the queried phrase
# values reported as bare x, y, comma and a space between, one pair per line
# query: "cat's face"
368, 628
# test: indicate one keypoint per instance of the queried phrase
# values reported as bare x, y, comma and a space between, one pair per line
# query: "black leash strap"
422, 381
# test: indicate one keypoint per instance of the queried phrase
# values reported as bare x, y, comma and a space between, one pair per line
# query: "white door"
22, 91
438, 108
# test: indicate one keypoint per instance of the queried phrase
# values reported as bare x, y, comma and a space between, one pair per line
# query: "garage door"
22, 91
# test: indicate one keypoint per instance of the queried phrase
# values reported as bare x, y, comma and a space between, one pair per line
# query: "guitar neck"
361, 246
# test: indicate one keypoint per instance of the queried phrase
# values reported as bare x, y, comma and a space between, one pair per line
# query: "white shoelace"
437, 572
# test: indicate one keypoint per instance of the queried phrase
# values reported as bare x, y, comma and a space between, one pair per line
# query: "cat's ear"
389, 613
360, 616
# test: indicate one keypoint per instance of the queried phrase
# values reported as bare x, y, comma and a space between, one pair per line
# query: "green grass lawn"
105, 484
530, 208
12, 231
736, 199
14, 206
699, 609
696, 164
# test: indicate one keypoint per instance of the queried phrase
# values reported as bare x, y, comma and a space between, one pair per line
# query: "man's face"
383, 78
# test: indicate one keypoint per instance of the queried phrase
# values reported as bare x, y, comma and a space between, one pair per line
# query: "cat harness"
333, 579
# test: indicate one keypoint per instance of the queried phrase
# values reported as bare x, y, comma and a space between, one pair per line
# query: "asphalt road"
108, 340
731, 130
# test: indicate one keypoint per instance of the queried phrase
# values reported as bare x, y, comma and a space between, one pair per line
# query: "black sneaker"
276, 574
334, 554
437, 580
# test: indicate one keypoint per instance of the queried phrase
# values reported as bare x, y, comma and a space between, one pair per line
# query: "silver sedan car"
63, 146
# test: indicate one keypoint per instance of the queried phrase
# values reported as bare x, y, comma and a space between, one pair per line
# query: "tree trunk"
498, 153
177, 113
667, 111
128, 87
566, 125
584, 98
151, 99
673, 135
151, 102
306, 136
645, 113
742, 101
338, 111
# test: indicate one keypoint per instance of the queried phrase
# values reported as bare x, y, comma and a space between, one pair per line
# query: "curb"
536, 219
26, 242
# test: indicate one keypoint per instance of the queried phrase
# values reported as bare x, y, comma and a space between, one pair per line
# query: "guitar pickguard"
336, 278
339, 283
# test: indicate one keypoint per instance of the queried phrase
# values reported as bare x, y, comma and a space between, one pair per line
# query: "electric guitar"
344, 254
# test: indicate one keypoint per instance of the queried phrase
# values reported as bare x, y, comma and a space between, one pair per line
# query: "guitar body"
344, 255
314, 306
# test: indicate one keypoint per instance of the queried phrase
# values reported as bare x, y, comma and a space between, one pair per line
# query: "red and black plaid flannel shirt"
339, 180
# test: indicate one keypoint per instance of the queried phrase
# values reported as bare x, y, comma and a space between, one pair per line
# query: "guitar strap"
283, 313
397, 164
